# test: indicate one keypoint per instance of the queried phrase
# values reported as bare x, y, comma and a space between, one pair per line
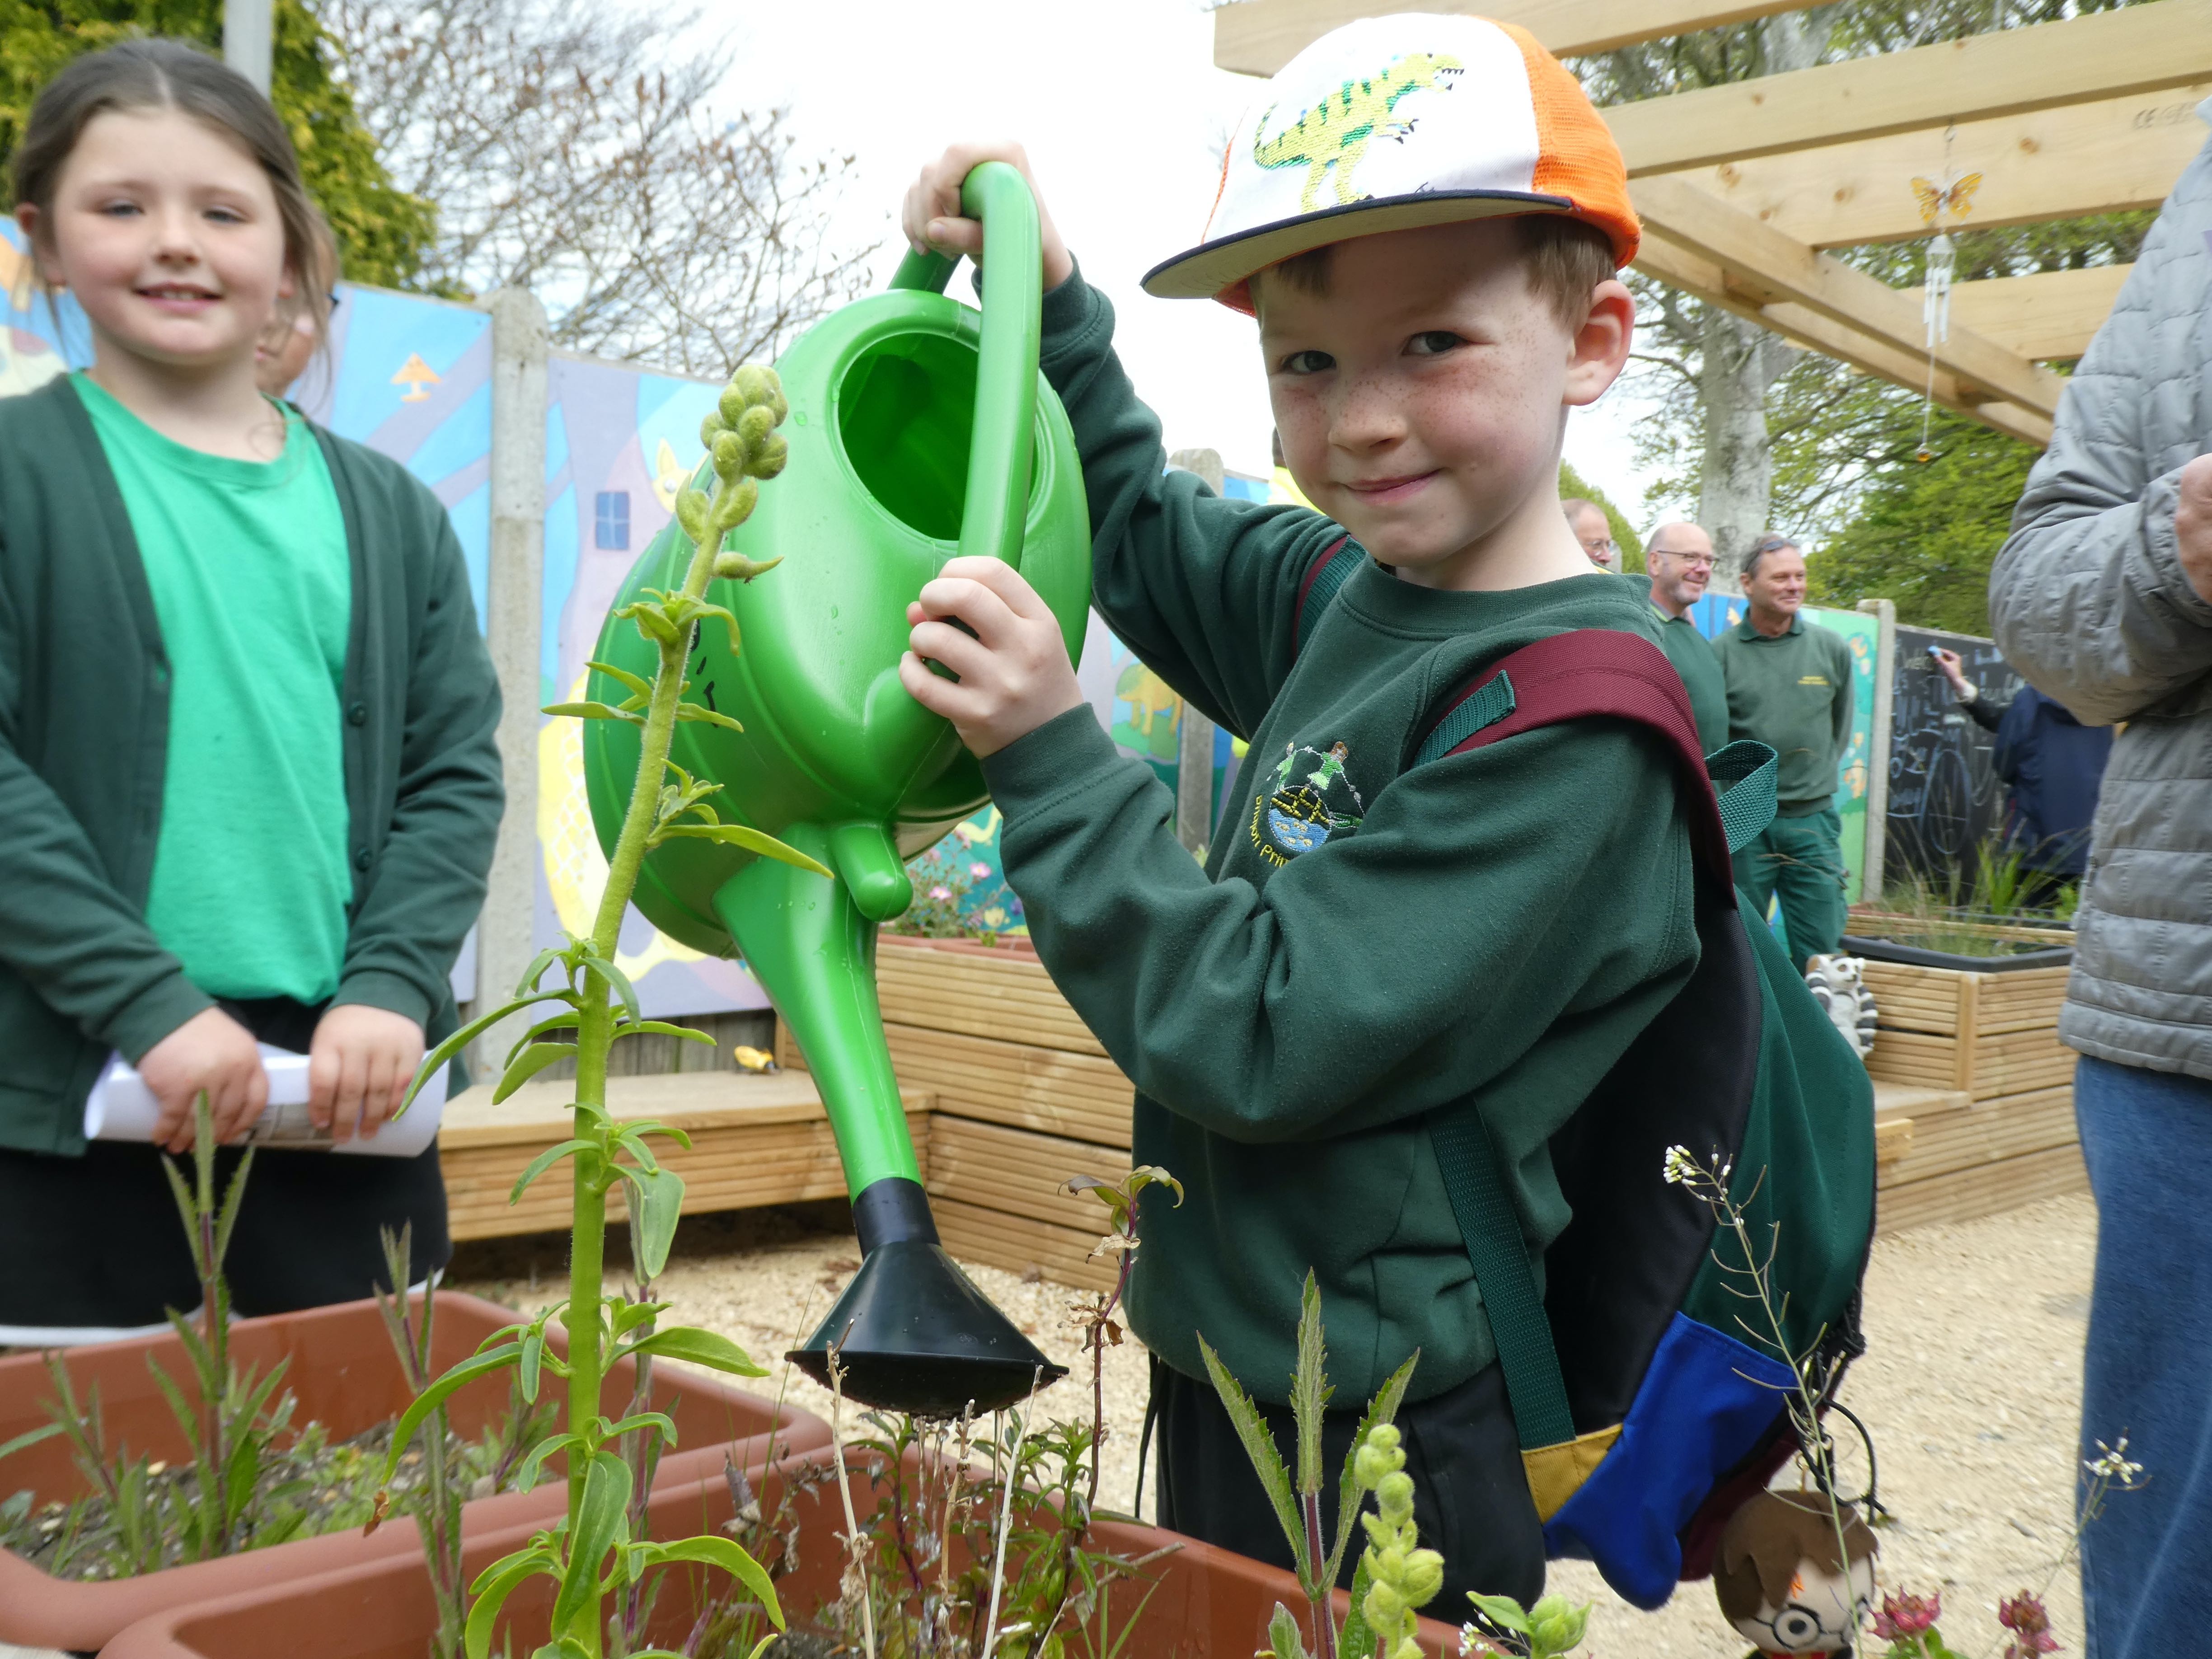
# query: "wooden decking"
755, 1140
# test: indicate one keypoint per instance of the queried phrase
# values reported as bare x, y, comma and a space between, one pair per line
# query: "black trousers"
1470, 1496
96, 1240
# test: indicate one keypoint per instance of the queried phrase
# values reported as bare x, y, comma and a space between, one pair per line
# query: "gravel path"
1970, 1388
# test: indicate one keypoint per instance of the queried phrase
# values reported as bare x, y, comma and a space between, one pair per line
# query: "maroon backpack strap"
1324, 577
1592, 671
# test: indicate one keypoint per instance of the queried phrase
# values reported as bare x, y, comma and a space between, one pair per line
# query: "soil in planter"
305, 1489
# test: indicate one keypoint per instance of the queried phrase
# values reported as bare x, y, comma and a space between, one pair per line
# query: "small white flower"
1679, 1167
2113, 1464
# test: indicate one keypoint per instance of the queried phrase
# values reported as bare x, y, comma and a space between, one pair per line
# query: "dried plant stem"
1006, 1514
853, 1547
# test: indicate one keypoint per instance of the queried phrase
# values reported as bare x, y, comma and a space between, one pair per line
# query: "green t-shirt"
248, 565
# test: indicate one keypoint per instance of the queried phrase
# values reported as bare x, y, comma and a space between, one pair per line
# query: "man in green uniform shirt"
1680, 557
1790, 687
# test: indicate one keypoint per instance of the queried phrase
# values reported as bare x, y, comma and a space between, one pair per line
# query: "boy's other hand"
359, 1067
209, 1051
1013, 669
931, 216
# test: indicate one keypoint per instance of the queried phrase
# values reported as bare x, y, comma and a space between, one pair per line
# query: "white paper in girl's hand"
121, 1108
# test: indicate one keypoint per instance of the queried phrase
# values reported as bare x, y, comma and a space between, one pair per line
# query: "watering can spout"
911, 1333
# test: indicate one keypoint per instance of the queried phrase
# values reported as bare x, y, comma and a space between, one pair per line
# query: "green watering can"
918, 429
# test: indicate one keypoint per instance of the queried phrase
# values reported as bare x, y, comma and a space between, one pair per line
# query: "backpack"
1648, 1393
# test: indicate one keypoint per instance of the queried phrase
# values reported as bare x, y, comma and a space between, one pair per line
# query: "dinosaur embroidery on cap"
1336, 131
1306, 806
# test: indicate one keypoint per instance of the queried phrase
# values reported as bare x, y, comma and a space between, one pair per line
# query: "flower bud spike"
735, 505
691, 512
770, 459
756, 383
754, 427
737, 567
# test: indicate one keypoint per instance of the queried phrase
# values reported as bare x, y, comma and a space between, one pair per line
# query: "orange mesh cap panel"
1575, 156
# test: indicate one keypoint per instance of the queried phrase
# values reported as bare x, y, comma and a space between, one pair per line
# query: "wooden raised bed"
1972, 1060
1023, 1095
345, 1376
755, 1140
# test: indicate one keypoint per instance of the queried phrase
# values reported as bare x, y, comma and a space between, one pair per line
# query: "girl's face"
167, 233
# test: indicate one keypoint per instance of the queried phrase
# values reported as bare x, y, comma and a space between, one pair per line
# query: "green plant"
439, 1516
592, 1551
229, 1419
1298, 1505
945, 901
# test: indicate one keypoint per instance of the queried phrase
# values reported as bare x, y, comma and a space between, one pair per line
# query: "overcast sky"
1123, 115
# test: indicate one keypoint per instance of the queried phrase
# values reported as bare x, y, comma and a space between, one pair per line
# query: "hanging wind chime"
1952, 196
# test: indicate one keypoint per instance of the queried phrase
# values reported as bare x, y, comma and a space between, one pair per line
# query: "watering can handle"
999, 453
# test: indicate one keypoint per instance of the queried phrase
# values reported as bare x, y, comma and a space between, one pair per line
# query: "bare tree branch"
566, 152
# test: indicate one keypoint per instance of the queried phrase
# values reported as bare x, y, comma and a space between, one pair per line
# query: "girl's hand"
1013, 671
931, 217
209, 1051
1953, 670
359, 1067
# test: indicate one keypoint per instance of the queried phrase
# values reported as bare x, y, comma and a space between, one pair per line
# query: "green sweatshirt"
86, 698
1692, 654
1793, 693
1367, 942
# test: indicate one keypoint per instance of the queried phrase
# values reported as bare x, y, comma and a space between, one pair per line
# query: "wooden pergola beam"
2052, 315
1774, 268
1258, 37
2114, 54
1702, 279
2103, 157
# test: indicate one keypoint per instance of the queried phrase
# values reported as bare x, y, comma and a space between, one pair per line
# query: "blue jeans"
2147, 1563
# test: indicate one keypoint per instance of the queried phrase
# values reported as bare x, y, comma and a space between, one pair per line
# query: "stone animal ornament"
1839, 985
1783, 1583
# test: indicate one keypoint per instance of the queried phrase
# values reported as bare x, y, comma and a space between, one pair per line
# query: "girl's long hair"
163, 74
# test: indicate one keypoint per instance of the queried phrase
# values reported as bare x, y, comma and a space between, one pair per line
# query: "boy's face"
1422, 399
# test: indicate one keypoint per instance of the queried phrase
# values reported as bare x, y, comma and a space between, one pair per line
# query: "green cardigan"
84, 712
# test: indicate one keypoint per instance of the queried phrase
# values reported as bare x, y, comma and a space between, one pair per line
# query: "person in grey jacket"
2102, 598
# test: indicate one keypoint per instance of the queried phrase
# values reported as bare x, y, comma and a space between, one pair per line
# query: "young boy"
1371, 940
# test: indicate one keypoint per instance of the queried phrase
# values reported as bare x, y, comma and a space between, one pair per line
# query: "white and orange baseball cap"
1395, 123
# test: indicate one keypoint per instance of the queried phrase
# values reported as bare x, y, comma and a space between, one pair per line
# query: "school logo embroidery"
1811, 679
1307, 804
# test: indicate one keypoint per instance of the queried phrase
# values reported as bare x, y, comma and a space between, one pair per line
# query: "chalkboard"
1944, 797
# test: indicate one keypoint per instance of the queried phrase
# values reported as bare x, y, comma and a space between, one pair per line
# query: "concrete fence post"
516, 606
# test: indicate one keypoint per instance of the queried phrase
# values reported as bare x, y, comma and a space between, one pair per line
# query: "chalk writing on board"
1943, 791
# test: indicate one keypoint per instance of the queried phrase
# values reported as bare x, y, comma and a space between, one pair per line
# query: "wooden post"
504, 941
1871, 871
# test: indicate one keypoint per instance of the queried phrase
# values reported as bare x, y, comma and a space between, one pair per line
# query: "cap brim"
1202, 273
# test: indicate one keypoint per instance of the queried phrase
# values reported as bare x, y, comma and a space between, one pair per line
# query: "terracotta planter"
1209, 1604
346, 1377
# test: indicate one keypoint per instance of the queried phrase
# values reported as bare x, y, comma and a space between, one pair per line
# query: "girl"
248, 788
